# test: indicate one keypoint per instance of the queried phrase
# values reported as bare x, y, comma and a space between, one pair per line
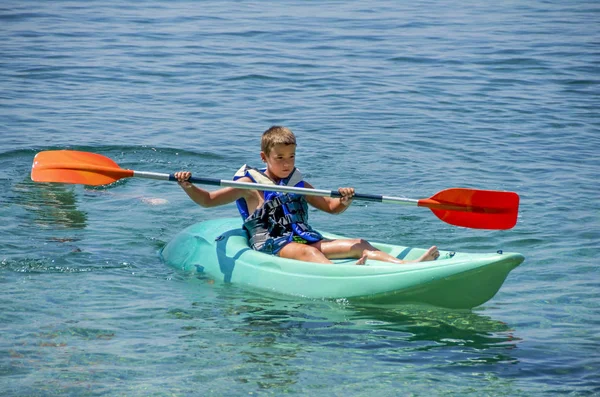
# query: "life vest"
281, 219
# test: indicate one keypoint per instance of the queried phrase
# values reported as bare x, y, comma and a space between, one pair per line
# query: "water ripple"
404, 100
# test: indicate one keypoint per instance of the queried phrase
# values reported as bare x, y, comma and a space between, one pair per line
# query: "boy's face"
280, 161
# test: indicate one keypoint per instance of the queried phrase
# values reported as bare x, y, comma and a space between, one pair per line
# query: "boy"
277, 223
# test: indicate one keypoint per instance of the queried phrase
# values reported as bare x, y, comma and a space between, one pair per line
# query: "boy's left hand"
347, 194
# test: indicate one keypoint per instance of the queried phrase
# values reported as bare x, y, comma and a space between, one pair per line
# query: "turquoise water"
391, 98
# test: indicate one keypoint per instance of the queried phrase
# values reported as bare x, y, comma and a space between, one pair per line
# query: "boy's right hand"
182, 178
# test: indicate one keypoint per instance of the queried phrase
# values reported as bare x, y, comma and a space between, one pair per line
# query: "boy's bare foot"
430, 255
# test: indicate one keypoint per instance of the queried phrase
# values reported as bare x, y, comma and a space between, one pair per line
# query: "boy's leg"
303, 252
363, 250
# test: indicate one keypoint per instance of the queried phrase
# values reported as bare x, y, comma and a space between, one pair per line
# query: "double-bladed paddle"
473, 208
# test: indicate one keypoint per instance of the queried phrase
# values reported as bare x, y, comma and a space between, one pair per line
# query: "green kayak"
220, 249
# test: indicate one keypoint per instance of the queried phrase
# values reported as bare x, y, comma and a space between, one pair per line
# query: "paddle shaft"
279, 188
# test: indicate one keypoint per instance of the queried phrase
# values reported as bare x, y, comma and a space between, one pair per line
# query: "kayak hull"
219, 248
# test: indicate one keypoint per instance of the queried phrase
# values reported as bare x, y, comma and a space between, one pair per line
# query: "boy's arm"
215, 198
329, 204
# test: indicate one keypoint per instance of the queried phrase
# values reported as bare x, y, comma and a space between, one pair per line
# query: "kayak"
219, 248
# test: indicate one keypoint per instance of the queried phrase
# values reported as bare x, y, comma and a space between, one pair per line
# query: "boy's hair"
276, 135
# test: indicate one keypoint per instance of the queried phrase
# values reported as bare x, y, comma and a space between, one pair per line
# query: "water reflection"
462, 338
413, 335
278, 337
413, 322
53, 205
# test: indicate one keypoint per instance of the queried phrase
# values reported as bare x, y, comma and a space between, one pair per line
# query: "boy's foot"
430, 255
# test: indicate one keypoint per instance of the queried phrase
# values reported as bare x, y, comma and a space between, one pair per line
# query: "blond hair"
276, 135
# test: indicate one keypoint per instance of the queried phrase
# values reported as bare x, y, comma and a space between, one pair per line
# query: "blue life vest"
281, 219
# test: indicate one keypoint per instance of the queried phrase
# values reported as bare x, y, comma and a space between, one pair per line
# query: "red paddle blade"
478, 209
69, 166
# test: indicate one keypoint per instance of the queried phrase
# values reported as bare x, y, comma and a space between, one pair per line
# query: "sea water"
394, 98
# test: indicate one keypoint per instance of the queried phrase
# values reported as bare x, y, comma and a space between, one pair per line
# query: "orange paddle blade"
70, 166
478, 209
